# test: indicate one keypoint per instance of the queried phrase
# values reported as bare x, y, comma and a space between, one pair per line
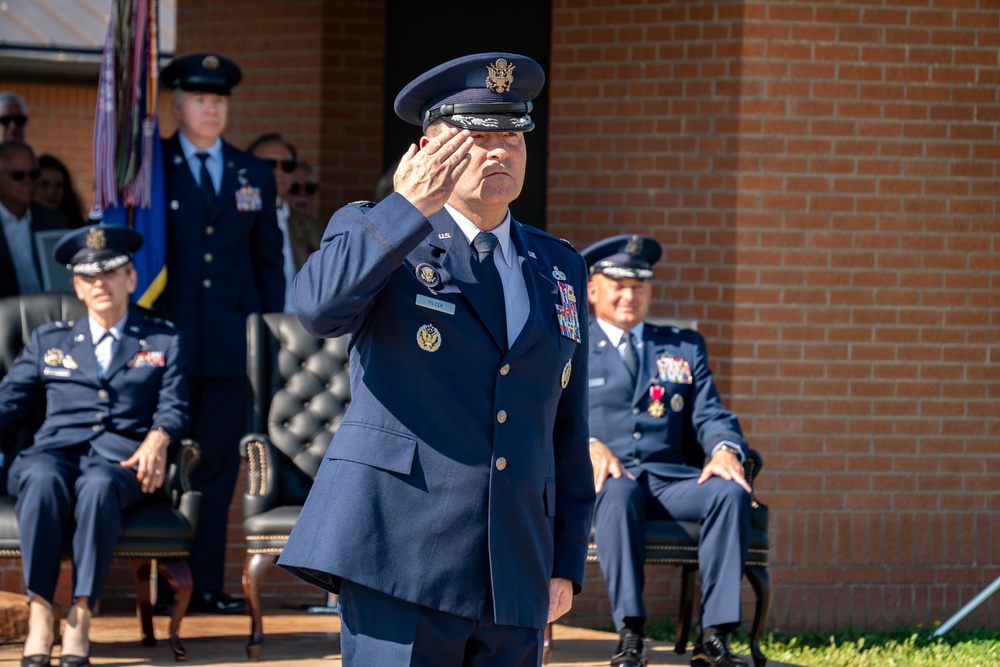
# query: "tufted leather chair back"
301, 387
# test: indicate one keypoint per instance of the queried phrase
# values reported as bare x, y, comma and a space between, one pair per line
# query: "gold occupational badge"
54, 357
429, 338
567, 371
500, 77
70, 363
96, 239
677, 403
210, 62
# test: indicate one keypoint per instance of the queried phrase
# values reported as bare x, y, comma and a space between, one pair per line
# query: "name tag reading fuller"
425, 301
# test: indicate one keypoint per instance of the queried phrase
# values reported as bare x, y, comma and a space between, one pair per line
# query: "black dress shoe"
216, 602
715, 652
631, 651
40, 660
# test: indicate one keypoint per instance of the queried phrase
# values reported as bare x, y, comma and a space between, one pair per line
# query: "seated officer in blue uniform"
452, 509
113, 386
650, 388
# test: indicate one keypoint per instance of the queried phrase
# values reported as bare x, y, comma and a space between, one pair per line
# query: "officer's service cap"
201, 73
623, 256
97, 249
485, 92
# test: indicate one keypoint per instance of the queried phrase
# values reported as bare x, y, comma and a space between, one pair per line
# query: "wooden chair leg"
178, 574
760, 580
547, 644
254, 568
142, 569
688, 576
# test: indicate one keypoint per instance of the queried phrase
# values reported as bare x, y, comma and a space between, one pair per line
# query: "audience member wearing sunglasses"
20, 269
13, 115
302, 191
301, 232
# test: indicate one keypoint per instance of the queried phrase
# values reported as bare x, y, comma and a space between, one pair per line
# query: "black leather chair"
161, 529
300, 388
676, 543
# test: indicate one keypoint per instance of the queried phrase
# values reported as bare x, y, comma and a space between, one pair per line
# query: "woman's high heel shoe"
74, 660
40, 660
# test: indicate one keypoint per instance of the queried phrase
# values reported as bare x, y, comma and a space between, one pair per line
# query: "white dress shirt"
213, 163
104, 347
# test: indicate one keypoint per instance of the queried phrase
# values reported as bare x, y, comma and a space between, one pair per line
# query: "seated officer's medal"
656, 408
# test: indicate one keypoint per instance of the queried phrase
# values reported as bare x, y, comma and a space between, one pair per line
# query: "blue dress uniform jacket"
460, 471
223, 263
143, 388
619, 408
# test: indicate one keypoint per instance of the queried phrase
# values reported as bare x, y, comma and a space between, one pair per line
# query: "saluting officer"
453, 507
113, 384
224, 262
650, 387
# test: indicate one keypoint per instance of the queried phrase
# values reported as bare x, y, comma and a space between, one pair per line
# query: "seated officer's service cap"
485, 92
624, 256
97, 249
201, 73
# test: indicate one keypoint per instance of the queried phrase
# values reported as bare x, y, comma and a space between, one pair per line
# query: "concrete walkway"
298, 639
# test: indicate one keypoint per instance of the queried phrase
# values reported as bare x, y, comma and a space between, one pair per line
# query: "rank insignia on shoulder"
429, 338
363, 203
53, 357
427, 275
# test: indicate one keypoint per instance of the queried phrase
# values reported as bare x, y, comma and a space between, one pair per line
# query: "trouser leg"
41, 482
619, 516
722, 507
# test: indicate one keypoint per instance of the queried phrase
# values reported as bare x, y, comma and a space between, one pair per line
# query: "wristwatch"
164, 432
729, 448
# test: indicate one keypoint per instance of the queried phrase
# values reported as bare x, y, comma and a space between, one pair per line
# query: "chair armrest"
262, 477
182, 460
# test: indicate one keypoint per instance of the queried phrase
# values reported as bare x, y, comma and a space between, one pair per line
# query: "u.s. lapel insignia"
677, 403
567, 370
429, 338
78, 338
557, 274
178, 160
143, 344
54, 357
444, 235
70, 363
427, 275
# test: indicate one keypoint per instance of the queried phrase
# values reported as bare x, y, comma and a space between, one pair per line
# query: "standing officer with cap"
115, 395
453, 507
224, 262
649, 386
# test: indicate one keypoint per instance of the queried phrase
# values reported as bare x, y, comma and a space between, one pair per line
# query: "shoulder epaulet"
545, 235
363, 203
55, 325
158, 321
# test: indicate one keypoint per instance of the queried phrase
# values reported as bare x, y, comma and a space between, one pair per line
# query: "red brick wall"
824, 178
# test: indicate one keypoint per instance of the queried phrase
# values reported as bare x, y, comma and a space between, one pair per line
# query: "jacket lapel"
543, 292
647, 366
126, 348
230, 182
179, 172
608, 357
81, 349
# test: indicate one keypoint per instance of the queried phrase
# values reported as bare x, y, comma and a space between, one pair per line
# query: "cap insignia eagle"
96, 239
500, 77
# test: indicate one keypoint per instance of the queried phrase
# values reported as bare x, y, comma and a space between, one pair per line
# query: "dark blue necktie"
485, 243
629, 355
207, 189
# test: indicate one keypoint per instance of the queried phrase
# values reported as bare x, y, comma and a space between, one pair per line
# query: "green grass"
899, 647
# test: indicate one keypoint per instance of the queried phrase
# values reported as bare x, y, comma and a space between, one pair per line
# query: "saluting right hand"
426, 176
605, 464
